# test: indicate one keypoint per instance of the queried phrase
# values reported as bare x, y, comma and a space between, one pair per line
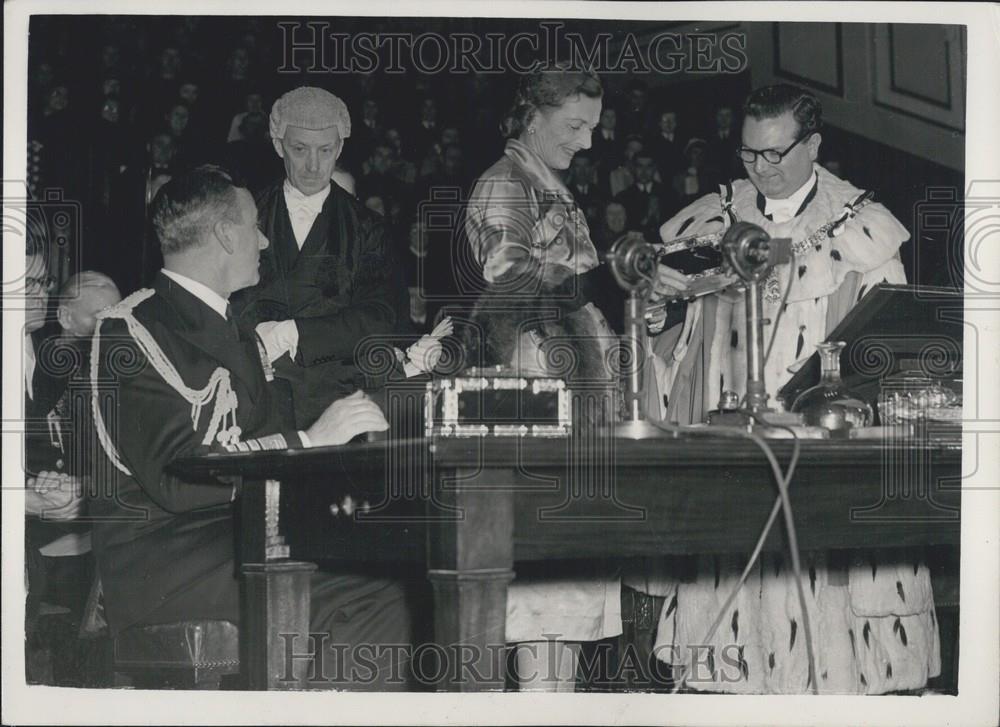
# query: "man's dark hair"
187, 206
772, 101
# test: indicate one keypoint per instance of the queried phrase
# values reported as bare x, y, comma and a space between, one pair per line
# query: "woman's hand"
668, 282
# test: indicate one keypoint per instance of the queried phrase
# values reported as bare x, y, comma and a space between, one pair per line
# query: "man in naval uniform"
184, 380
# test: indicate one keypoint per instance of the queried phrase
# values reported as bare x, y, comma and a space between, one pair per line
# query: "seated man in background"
647, 202
47, 491
164, 545
57, 552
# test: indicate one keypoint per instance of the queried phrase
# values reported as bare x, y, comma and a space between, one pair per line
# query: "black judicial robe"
165, 546
342, 289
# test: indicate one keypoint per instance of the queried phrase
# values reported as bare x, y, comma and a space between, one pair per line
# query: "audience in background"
723, 142
698, 176
581, 180
647, 202
667, 146
154, 106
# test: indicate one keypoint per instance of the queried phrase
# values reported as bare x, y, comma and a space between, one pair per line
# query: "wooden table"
470, 509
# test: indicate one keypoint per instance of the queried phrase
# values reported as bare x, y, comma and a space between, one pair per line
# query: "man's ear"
278, 148
63, 316
814, 141
223, 230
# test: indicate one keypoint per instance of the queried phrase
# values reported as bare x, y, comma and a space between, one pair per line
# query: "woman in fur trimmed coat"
533, 245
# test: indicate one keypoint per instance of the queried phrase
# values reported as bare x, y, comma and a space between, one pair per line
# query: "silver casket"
497, 402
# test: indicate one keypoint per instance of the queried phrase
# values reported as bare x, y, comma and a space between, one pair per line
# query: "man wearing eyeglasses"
843, 245
49, 491
788, 194
54, 573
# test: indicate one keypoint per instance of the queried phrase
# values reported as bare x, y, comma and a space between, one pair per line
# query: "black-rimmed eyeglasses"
771, 156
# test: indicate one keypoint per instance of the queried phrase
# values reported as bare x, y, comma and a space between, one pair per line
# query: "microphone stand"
751, 253
633, 264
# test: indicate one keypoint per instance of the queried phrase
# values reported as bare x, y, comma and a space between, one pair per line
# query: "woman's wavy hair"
547, 86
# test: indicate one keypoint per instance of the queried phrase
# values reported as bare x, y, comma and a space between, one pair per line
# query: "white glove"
279, 338
424, 355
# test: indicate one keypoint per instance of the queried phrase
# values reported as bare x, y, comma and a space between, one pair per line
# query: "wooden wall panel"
919, 71
811, 54
896, 107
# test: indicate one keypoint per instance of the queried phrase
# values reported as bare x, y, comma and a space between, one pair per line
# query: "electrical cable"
782, 502
793, 547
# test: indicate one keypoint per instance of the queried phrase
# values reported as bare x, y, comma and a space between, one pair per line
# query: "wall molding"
889, 93
795, 76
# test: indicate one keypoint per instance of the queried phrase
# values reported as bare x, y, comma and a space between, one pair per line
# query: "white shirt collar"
303, 210
295, 198
786, 208
200, 291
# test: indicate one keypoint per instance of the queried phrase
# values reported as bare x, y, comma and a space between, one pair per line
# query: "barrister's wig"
547, 86
311, 108
769, 102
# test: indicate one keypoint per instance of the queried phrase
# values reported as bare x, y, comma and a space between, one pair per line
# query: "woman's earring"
531, 130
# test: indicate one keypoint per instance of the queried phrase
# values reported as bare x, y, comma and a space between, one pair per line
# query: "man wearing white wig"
872, 617
328, 279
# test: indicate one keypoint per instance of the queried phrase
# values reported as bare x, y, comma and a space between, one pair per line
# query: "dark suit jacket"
51, 443
165, 545
606, 154
54, 365
592, 203
669, 155
647, 211
420, 140
341, 288
722, 155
